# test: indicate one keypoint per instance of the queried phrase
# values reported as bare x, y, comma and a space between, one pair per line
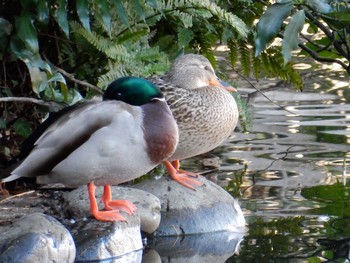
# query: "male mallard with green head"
103, 143
205, 111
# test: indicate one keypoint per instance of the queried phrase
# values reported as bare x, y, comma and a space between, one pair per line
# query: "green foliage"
59, 49
286, 19
270, 24
122, 37
291, 35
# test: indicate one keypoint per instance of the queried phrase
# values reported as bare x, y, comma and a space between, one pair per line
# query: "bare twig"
320, 47
315, 56
259, 91
17, 195
328, 33
80, 82
51, 105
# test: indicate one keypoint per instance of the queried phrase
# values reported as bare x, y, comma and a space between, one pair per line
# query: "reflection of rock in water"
210, 247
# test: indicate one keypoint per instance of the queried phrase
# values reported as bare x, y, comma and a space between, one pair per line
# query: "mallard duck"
205, 111
103, 143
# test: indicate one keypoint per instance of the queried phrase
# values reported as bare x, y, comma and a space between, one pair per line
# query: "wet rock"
36, 238
211, 163
151, 256
148, 205
184, 211
96, 240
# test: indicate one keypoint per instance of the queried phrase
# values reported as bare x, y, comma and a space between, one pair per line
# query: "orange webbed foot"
110, 216
124, 205
113, 206
181, 176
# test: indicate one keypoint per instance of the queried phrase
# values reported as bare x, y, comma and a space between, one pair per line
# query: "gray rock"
184, 211
148, 205
36, 238
96, 240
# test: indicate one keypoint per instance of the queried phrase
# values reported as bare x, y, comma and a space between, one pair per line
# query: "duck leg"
124, 205
181, 176
101, 215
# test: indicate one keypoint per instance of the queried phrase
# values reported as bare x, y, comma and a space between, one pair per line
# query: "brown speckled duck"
103, 143
204, 109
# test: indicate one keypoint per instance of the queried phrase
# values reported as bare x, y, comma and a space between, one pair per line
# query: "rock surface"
36, 238
96, 240
76, 203
209, 209
184, 211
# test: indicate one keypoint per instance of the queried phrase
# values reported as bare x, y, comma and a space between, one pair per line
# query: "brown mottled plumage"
205, 111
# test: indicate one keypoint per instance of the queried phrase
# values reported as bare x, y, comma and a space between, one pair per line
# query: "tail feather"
12, 177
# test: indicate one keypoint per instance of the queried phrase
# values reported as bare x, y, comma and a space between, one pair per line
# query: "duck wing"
64, 134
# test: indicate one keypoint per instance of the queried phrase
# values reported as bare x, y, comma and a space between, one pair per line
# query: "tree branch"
51, 105
80, 82
328, 33
315, 56
320, 47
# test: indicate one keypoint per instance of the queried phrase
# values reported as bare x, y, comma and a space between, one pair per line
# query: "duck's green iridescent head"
132, 90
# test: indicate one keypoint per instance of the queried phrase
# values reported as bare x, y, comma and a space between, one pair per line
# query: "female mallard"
103, 143
205, 111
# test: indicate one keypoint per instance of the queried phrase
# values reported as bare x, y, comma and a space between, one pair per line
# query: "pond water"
289, 171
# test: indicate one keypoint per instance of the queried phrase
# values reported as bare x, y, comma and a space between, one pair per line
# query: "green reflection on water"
333, 199
321, 135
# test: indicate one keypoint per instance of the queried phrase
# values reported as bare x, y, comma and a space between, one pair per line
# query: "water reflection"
289, 174
294, 189
210, 247
284, 164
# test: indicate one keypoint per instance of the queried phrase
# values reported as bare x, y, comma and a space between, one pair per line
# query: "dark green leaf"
122, 14
2, 123
43, 12
338, 20
22, 128
291, 34
61, 16
5, 27
26, 32
83, 13
28, 4
105, 13
329, 54
269, 24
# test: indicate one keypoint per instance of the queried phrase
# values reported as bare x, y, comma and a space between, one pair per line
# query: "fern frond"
115, 71
205, 43
184, 36
244, 56
116, 52
233, 52
95, 39
222, 14
256, 66
273, 64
